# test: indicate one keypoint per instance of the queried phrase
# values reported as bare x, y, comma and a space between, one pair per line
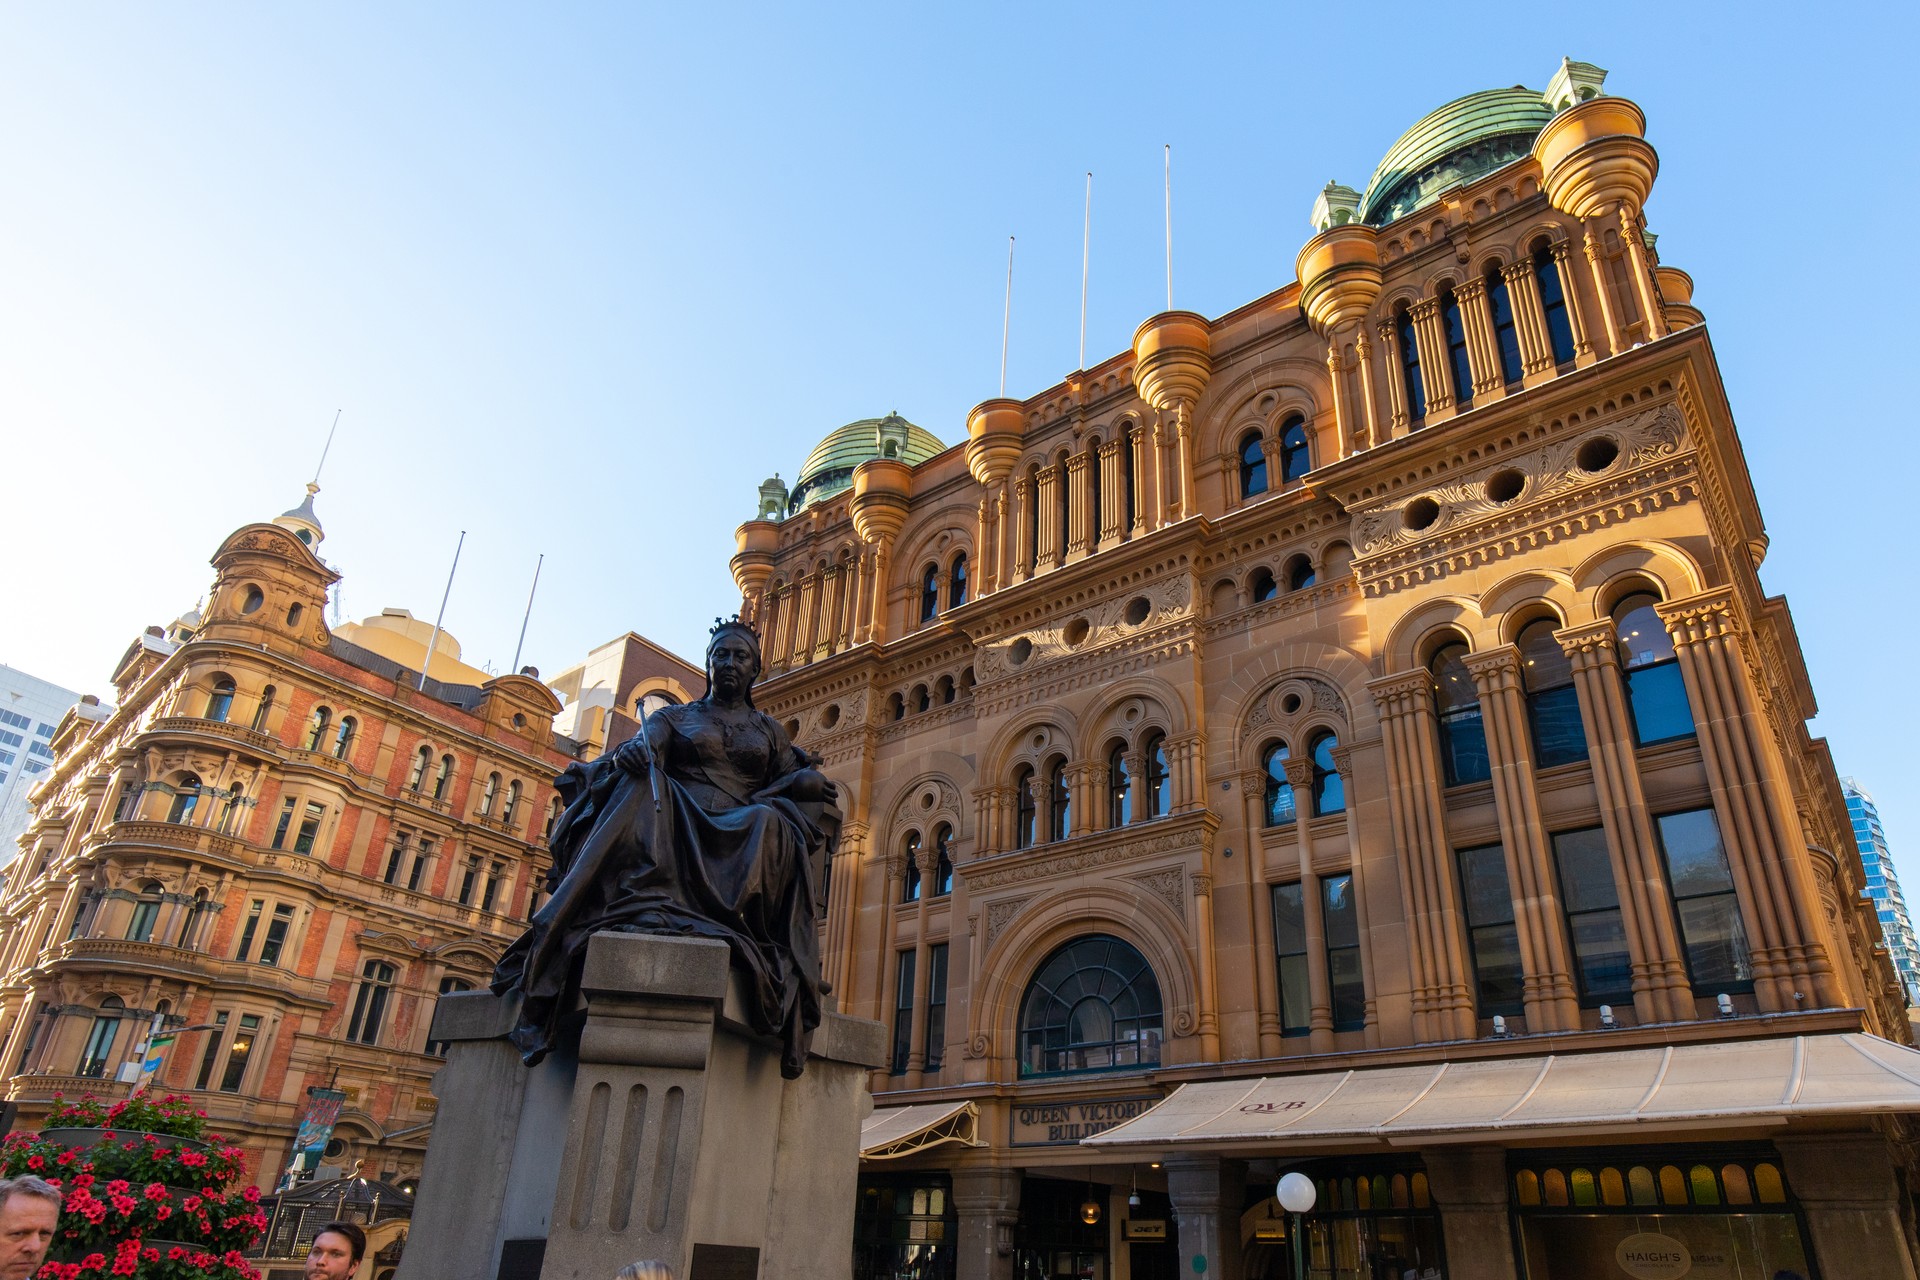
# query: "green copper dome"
829, 468
1467, 138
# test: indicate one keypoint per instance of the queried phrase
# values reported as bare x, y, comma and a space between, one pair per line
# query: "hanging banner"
316, 1125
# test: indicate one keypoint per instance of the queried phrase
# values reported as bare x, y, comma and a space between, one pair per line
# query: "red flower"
36, 1162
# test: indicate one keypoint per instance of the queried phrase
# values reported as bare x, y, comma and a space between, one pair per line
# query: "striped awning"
1620, 1091
891, 1132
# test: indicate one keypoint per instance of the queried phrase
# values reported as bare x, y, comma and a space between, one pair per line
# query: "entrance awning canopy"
1624, 1091
891, 1132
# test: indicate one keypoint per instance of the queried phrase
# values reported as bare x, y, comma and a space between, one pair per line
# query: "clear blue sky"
581, 276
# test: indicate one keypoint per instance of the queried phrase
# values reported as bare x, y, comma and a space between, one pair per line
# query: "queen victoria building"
1348, 736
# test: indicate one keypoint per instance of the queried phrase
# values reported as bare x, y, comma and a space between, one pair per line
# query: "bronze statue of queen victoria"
704, 824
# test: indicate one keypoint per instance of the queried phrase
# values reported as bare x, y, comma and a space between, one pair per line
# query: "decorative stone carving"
1000, 915
1168, 886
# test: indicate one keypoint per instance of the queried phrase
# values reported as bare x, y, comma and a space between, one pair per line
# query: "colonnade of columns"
1752, 804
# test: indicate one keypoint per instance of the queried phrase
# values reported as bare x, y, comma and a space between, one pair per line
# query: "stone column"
1209, 1020
988, 1203
1343, 423
1562, 251
1651, 307
1363, 351
1483, 349
826, 634
1661, 992
1046, 498
1758, 820
1080, 790
1260, 915
1470, 1190
1443, 1007
1312, 909
805, 611
1023, 556
1552, 1002
1206, 1194
1146, 493
1002, 549
1596, 252
1847, 1193
1390, 374
1079, 518
1113, 497
1436, 378
928, 861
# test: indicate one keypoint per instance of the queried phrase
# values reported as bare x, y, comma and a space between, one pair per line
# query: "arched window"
317, 729
1253, 465
370, 1001
1094, 508
1329, 789
553, 818
1410, 365
1023, 807
898, 706
1296, 454
489, 794
1094, 1005
1456, 703
922, 700
1458, 364
146, 910
943, 873
1553, 302
189, 929
1506, 335
513, 802
1159, 797
1059, 802
1261, 586
1656, 691
957, 582
1279, 792
443, 779
1553, 708
344, 742
930, 593
943, 688
260, 712
220, 701
1299, 573
1033, 519
1127, 477
422, 761
1064, 509
1119, 787
98, 1053
186, 798
910, 881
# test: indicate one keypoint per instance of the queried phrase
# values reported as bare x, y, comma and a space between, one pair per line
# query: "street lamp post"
1296, 1195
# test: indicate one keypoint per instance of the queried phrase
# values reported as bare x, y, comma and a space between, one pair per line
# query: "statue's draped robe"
725, 855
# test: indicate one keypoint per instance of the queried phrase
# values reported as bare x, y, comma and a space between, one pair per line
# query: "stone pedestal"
672, 1135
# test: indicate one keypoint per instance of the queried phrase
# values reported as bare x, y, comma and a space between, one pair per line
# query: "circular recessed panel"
1290, 704
1504, 486
831, 716
1020, 651
1596, 454
1137, 610
1421, 513
1076, 633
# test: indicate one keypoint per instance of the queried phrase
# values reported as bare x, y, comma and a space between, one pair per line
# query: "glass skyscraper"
1884, 885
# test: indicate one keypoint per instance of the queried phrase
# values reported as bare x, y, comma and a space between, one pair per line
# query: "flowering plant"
171, 1114
136, 1204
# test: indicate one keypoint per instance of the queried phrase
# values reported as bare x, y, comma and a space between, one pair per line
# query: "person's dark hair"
351, 1233
28, 1185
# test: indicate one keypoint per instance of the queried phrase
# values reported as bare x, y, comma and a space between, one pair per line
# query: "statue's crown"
735, 623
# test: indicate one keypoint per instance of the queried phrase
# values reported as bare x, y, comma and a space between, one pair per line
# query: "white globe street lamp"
1296, 1194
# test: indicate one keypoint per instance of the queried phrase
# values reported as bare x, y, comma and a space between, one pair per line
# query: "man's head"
336, 1252
29, 1214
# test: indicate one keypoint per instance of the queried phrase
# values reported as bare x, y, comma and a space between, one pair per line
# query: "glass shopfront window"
905, 1227
1719, 1212
1051, 1241
1370, 1221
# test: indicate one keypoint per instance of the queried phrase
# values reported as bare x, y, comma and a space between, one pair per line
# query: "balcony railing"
215, 729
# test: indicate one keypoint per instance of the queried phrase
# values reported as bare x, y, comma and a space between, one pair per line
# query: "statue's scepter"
653, 768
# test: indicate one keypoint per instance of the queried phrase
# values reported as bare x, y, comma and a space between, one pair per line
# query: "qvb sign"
1061, 1123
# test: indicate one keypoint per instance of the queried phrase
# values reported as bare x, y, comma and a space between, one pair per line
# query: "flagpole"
521, 643
1006, 318
434, 639
1169, 226
1086, 242
328, 447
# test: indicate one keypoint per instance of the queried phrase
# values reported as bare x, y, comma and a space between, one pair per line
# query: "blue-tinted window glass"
1279, 792
1456, 700
1459, 364
1253, 465
1290, 953
1329, 790
1656, 689
1296, 455
1488, 901
1506, 335
1546, 275
1602, 963
1345, 984
1410, 366
1705, 901
1553, 708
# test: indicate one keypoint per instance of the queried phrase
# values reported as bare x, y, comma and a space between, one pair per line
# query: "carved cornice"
1187, 833
1404, 693
1494, 670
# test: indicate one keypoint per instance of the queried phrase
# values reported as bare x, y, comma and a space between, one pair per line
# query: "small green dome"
1467, 138
829, 468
